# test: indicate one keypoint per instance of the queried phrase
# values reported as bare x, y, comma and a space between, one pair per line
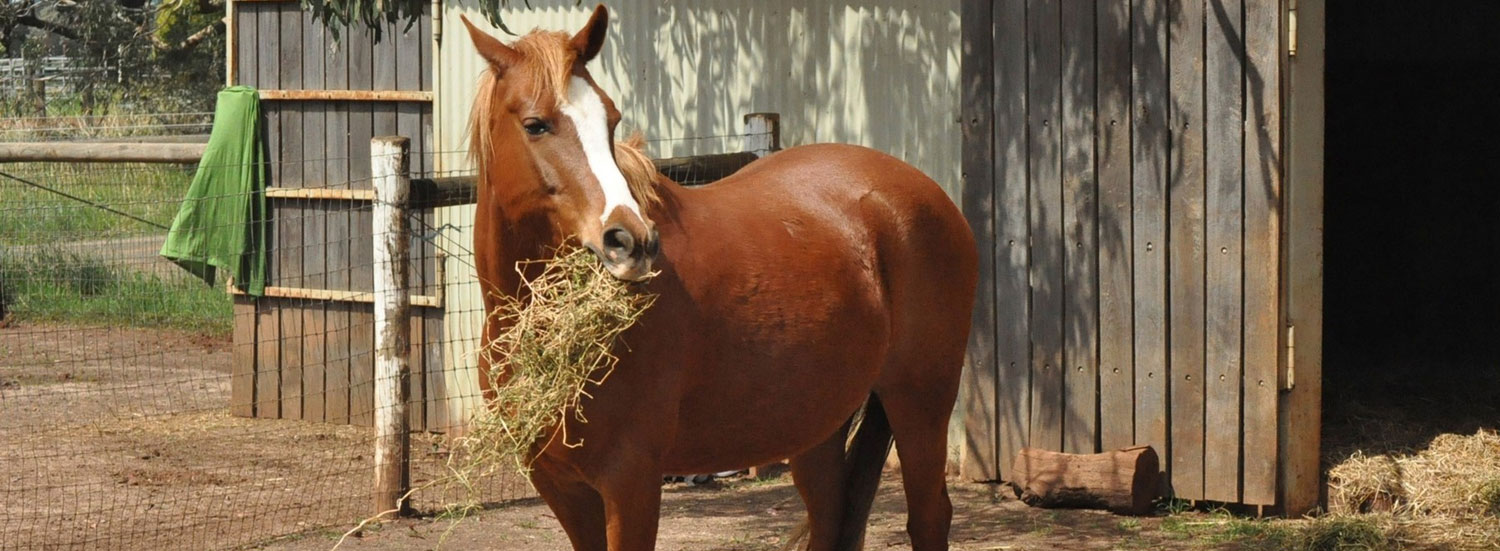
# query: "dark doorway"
1412, 297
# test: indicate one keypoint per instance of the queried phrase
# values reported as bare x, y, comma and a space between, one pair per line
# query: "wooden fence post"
762, 133
388, 166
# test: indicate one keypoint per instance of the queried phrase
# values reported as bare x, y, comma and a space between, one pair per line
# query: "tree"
150, 54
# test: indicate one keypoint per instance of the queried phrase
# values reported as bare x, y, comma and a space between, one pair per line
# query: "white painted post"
762, 133
388, 165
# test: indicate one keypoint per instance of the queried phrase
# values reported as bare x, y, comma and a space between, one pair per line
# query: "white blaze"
586, 111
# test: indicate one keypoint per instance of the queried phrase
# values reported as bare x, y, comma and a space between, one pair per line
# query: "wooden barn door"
1123, 177
305, 349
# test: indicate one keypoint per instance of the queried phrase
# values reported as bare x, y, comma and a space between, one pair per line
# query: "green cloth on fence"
222, 221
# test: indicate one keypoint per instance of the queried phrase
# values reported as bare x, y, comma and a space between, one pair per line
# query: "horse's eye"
536, 127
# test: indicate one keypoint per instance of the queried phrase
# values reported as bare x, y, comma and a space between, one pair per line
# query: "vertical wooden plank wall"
311, 359
1134, 205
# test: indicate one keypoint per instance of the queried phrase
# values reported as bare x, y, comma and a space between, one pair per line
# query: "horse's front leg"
577, 506
632, 507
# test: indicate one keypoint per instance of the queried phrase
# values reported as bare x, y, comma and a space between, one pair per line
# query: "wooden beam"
345, 95
93, 152
424, 301
321, 193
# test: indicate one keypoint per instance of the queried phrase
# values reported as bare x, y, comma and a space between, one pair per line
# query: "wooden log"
388, 164
95, 152
1124, 481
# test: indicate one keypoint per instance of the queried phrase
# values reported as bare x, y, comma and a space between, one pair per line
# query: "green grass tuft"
47, 285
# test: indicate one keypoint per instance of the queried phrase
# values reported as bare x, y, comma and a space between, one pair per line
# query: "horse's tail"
863, 460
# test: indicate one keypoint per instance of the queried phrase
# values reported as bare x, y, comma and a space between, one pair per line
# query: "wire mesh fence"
145, 408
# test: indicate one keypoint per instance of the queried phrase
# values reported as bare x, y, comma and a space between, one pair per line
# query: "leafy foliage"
376, 15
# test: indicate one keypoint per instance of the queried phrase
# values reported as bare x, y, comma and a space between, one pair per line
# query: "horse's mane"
551, 60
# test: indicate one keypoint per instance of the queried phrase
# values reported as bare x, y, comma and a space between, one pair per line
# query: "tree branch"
42, 24
191, 41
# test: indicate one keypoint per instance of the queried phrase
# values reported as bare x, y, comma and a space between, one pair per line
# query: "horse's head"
543, 138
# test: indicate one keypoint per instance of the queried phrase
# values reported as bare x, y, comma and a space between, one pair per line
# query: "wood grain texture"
1080, 367
361, 365
1116, 328
1012, 233
1262, 248
977, 390
1148, 219
1044, 114
1185, 256
242, 370
1301, 405
1263, 185
268, 360
1224, 181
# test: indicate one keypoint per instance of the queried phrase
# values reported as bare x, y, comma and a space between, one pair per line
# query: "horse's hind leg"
578, 507
919, 422
819, 475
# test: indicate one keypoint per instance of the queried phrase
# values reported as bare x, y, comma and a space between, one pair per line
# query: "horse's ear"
500, 56
590, 39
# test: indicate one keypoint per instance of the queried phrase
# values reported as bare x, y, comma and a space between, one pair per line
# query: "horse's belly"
754, 409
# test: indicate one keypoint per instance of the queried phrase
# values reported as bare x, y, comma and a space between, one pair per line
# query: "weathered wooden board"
361, 365
1185, 257
1012, 258
1148, 220
1044, 103
1224, 179
1301, 406
267, 360
1080, 367
1263, 191
977, 398
242, 371
1116, 330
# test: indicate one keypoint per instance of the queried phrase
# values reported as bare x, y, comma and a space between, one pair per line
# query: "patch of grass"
31, 216
47, 285
1342, 533
1130, 525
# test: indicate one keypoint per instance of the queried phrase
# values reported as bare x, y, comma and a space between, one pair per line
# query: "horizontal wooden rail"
696, 170
426, 301
321, 193
345, 95
95, 152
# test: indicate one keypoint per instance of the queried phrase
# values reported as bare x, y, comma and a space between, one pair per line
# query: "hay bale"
1364, 484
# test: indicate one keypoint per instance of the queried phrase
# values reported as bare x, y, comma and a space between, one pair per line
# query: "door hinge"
1291, 29
1290, 381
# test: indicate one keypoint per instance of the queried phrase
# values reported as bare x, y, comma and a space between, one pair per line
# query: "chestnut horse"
812, 282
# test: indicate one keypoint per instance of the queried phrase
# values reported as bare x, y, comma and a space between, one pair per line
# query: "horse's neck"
502, 239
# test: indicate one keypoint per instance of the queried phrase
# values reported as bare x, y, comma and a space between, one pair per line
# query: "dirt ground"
739, 514
121, 439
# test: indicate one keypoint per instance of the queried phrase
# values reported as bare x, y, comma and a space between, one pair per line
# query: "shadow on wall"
882, 73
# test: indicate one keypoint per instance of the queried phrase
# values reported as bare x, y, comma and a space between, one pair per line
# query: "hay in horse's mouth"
552, 350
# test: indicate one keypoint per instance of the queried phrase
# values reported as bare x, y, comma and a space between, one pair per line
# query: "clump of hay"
1448, 492
554, 348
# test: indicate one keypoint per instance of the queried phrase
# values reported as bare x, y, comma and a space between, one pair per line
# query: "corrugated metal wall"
878, 73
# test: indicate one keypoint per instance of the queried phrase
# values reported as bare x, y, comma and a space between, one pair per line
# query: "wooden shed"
304, 350
1145, 180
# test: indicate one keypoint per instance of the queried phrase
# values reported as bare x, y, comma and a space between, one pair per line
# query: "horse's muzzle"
626, 256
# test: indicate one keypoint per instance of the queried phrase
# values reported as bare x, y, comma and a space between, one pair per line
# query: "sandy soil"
749, 515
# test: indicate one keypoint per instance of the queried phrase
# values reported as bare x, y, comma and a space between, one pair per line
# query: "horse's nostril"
617, 241
652, 244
